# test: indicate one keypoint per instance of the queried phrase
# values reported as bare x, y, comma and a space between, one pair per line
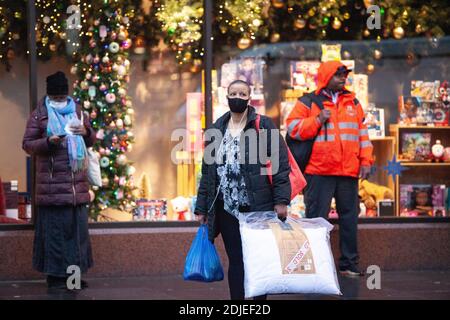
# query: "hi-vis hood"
325, 73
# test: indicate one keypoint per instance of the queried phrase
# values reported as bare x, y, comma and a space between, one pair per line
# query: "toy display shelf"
424, 164
425, 172
383, 151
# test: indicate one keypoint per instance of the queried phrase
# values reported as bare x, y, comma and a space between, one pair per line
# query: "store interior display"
304, 75
297, 207
422, 151
437, 151
375, 122
333, 210
182, 208
15, 207
386, 208
371, 194
416, 146
150, 210
425, 90
248, 69
113, 31
423, 200
427, 105
361, 90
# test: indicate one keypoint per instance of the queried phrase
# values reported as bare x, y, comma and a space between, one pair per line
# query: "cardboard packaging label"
295, 250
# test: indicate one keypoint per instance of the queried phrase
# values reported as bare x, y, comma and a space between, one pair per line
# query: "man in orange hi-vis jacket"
341, 153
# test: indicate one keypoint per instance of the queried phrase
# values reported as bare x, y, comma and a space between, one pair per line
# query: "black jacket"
262, 195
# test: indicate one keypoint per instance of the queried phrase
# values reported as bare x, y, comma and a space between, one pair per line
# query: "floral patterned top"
232, 183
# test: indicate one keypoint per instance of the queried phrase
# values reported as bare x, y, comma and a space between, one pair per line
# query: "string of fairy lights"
239, 22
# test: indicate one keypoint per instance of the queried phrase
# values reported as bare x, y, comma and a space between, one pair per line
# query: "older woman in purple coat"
58, 139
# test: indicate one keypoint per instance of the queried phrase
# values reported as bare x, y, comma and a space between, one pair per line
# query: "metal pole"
32, 65
208, 60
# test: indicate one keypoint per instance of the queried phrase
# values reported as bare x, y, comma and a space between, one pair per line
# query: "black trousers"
318, 194
228, 226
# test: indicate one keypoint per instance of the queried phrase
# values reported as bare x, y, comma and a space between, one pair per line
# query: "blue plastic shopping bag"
202, 261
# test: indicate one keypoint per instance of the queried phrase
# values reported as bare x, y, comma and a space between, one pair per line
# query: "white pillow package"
287, 257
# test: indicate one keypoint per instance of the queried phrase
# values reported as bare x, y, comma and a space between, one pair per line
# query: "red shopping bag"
296, 177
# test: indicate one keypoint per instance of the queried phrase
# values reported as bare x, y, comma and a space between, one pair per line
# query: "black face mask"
237, 105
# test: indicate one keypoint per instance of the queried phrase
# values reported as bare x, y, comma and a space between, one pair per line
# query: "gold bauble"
275, 37
256, 22
398, 33
370, 68
346, 55
336, 24
311, 12
346, 16
377, 54
366, 33
419, 28
244, 43
105, 181
278, 3
299, 23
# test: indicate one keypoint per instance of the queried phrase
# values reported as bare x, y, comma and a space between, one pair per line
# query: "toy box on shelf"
428, 104
375, 121
422, 200
150, 210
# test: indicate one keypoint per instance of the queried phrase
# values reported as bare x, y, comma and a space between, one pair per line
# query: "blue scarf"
57, 121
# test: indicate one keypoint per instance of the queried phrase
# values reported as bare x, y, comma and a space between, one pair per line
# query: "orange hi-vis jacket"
346, 146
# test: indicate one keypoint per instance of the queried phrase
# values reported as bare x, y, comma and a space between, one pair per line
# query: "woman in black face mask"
233, 185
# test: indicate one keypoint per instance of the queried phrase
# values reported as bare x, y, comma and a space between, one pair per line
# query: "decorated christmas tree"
103, 73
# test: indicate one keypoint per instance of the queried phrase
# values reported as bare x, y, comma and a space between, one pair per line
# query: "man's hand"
55, 140
324, 115
281, 210
79, 130
202, 218
364, 172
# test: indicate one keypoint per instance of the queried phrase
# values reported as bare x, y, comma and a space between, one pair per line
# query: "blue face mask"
57, 104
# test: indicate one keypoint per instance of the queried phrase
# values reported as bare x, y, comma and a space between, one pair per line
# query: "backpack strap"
308, 99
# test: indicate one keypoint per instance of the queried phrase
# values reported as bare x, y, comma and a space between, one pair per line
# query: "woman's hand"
79, 130
202, 218
281, 210
55, 140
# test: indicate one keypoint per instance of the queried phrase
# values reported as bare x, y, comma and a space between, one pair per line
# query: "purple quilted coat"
56, 185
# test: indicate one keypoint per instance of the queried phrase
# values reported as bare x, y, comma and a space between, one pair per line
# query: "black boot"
56, 282
84, 284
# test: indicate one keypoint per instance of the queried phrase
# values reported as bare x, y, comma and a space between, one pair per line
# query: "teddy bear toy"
181, 207
370, 193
